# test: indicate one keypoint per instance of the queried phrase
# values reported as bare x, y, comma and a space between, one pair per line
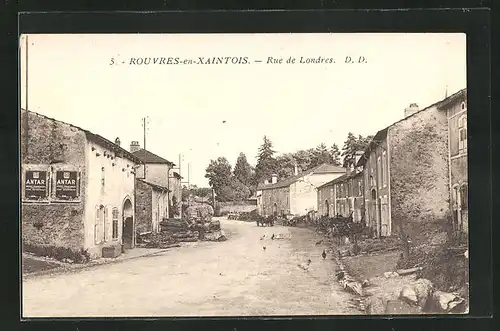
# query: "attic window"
463, 106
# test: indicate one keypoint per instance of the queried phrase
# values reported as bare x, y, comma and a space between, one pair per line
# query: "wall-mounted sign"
35, 185
66, 184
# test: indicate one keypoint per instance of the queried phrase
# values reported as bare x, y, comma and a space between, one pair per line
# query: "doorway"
128, 225
327, 209
275, 209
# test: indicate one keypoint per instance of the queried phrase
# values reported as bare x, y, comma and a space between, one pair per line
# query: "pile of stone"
156, 240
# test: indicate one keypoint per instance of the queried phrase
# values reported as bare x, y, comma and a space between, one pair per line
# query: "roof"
342, 178
324, 168
96, 138
148, 157
176, 175
156, 186
382, 134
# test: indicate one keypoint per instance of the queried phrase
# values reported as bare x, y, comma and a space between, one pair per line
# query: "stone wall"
143, 207
48, 145
419, 173
278, 196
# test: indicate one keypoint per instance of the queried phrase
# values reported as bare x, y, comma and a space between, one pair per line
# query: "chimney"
134, 146
274, 178
411, 109
117, 141
296, 170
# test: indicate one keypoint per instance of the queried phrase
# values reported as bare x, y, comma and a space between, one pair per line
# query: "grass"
31, 265
364, 267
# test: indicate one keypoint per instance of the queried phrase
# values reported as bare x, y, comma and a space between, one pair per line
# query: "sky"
204, 111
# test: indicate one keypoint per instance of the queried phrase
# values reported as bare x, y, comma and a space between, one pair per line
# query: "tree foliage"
243, 170
351, 146
218, 173
234, 191
266, 163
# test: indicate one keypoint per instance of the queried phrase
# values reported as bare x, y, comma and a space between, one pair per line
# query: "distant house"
151, 190
405, 170
343, 195
296, 195
77, 188
456, 111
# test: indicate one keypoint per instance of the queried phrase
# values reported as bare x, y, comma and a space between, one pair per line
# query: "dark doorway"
128, 225
275, 209
327, 209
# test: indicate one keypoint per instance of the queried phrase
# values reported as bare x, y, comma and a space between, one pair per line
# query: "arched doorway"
327, 208
275, 209
128, 224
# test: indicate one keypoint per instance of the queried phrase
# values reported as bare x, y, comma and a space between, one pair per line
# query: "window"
115, 223
464, 197
99, 217
379, 172
455, 196
462, 134
106, 224
384, 169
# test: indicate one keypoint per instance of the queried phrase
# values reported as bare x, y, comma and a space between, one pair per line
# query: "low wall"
236, 207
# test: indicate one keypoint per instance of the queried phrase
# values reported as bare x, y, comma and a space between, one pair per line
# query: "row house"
405, 170
455, 108
77, 188
343, 195
152, 189
295, 195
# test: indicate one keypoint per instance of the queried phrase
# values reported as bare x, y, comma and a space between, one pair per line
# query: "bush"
58, 253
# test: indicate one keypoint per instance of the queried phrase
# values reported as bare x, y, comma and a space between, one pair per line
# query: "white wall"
118, 185
159, 208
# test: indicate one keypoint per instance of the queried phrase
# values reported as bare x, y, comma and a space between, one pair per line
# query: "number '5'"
112, 61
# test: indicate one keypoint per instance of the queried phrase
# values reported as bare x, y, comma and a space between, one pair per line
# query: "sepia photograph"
279, 174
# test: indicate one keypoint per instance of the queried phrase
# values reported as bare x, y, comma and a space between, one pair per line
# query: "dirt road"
232, 278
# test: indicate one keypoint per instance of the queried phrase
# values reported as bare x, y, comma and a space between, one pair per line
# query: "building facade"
77, 187
343, 196
151, 206
405, 170
456, 111
296, 195
152, 189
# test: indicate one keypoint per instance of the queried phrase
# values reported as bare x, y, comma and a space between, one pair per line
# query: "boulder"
215, 236
423, 288
366, 283
446, 302
409, 295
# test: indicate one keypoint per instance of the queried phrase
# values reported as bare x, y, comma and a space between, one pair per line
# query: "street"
232, 278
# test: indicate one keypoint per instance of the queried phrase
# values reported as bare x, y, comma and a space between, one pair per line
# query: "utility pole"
144, 126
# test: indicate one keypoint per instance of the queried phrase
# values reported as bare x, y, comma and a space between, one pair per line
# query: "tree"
218, 173
286, 165
320, 155
243, 170
304, 159
234, 191
351, 146
266, 163
335, 153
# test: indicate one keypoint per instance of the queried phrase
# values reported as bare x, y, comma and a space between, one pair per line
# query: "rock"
446, 302
408, 294
366, 283
390, 274
354, 287
215, 236
423, 288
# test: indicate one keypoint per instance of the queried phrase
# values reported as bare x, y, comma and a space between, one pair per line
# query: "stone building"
175, 186
77, 188
405, 170
296, 195
152, 189
456, 111
343, 195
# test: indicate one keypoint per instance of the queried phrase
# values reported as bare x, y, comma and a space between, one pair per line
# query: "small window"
115, 223
464, 197
463, 106
462, 134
